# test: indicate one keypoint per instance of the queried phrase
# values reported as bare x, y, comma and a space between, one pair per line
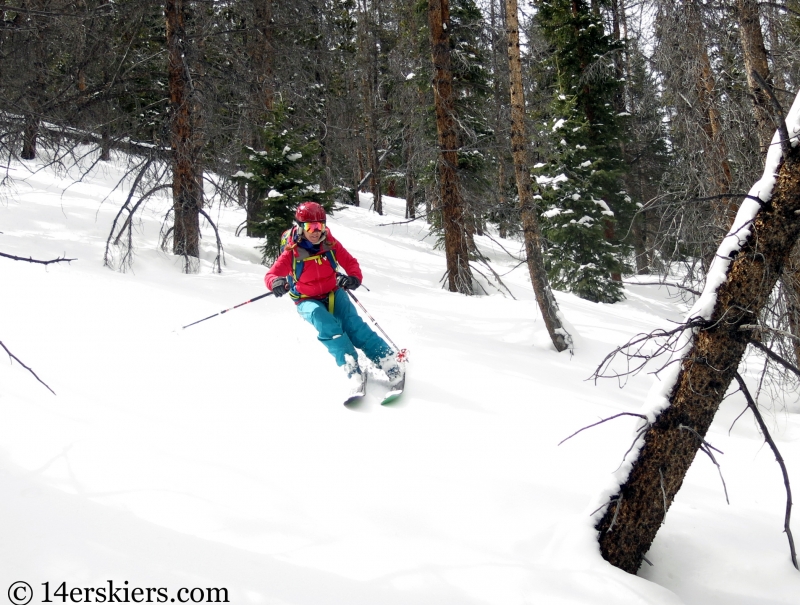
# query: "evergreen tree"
472, 84
581, 184
281, 176
469, 55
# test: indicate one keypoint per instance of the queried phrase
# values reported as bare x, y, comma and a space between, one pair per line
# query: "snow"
221, 456
602, 203
552, 181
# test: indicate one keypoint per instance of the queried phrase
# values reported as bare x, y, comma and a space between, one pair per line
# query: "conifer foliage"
581, 187
281, 176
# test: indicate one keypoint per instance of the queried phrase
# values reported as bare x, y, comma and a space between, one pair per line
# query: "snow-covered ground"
220, 456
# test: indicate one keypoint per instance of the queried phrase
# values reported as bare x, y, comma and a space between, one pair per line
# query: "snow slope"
200, 458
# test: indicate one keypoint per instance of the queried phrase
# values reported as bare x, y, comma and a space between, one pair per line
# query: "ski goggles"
313, 226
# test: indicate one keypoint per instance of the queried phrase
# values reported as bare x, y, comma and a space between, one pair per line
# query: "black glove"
279, 287
347, 282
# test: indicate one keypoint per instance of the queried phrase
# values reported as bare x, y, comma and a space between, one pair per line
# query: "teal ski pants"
343, 330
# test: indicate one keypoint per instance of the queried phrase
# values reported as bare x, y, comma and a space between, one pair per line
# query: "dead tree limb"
637, 354
768, 438
706, 448
761, 328
17, 359
220, 259
779, 118
136, 181
775, 357
642, 416
482, 259
40, 262
661, 283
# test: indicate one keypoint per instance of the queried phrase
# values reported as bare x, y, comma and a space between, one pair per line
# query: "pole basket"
402, 356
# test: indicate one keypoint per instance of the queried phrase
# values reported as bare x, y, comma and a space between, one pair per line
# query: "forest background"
645, 125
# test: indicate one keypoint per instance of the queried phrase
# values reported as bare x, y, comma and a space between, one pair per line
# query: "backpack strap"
300, 256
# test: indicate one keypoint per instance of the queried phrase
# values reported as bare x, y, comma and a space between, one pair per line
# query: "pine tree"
581, 185
280, 177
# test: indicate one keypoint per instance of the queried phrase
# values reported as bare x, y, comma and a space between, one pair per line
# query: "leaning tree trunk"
456, 248
530, 223
758, 75
629, 524
187, 181
791, 293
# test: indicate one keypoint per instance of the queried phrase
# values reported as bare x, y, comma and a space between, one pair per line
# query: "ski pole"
353, 296
231, 309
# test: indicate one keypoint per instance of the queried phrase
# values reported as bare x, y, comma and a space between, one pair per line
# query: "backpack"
290, 238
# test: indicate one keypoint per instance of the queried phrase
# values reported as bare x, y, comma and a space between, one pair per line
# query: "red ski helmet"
308, 212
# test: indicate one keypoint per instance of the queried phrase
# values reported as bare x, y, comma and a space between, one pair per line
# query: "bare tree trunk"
262, 52
369, 93
262, 98
359, 176
640, 250
501, 199
630, 522
29, 136
774, 36
187, 184
755, 59
715, 151
530, 223
411, 184
459, 273
791, 294
620, 59
370, 134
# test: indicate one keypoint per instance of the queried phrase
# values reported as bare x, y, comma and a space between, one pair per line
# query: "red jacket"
317, 277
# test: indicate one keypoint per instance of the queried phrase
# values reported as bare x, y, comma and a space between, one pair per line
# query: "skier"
307, 270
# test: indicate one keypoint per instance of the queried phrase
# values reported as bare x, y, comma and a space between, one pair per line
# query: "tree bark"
262, 98
530, 223
187, 174
369, 77
459, 273
715, 150
630, 523
411, 183
755, 59
262, 52
29, 136
791, 297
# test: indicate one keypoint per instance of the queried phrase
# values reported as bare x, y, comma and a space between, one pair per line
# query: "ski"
358, 392
394, 392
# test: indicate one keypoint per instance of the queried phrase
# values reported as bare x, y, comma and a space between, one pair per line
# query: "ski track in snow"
221, 456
